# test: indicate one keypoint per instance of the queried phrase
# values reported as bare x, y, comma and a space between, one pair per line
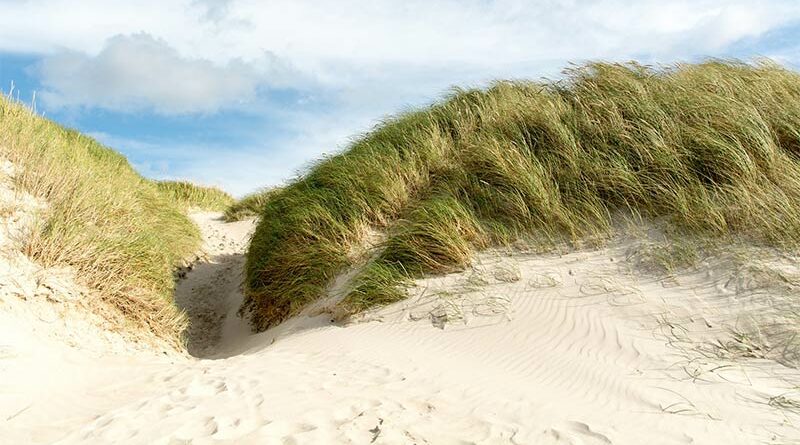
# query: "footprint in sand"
197, 428
572, 433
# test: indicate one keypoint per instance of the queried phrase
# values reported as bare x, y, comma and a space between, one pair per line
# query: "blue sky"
244, 94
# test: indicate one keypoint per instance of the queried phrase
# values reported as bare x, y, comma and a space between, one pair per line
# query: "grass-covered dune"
121, 233
249, 206
711, 148
188, 195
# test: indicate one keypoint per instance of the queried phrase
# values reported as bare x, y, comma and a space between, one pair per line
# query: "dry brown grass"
119, 233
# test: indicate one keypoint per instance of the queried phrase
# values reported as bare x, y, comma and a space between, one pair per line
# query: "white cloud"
338, 39
214, 10
200, 55
141, 72
365, 58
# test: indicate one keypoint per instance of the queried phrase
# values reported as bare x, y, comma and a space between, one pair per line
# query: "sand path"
210, 293
579, 348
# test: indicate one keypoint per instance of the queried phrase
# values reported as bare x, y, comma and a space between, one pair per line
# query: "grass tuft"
713, 149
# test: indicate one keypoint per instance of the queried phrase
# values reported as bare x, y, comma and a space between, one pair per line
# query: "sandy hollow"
577, 348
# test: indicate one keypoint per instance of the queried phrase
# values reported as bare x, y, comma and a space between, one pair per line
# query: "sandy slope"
581, 348
59, 364
210, 294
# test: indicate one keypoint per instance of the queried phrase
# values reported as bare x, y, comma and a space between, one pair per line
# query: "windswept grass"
249, 206
710, 148
117, 230
186, 195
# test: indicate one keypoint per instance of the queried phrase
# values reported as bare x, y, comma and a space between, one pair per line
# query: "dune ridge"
709, 148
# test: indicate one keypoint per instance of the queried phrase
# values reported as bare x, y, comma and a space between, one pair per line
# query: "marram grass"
249, 206
188, 195
121, 233
712, 148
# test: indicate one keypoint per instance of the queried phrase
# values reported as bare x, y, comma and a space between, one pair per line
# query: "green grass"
118, 231
249, 206
187, 195
712, 149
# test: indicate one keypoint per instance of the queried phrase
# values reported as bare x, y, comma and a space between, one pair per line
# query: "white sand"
522, 349
211, 292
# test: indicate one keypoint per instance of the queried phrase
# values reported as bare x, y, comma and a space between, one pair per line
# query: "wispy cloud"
237, 171
138, 72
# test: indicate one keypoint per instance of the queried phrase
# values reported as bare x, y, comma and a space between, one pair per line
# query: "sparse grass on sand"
188, 195
710, 148
120, 233
249, 206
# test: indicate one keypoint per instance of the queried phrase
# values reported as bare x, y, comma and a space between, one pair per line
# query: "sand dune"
579, 348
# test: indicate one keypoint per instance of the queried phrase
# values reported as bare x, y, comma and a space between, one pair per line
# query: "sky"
245, 94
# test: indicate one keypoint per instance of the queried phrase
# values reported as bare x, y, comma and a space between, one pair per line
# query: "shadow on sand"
210, 295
